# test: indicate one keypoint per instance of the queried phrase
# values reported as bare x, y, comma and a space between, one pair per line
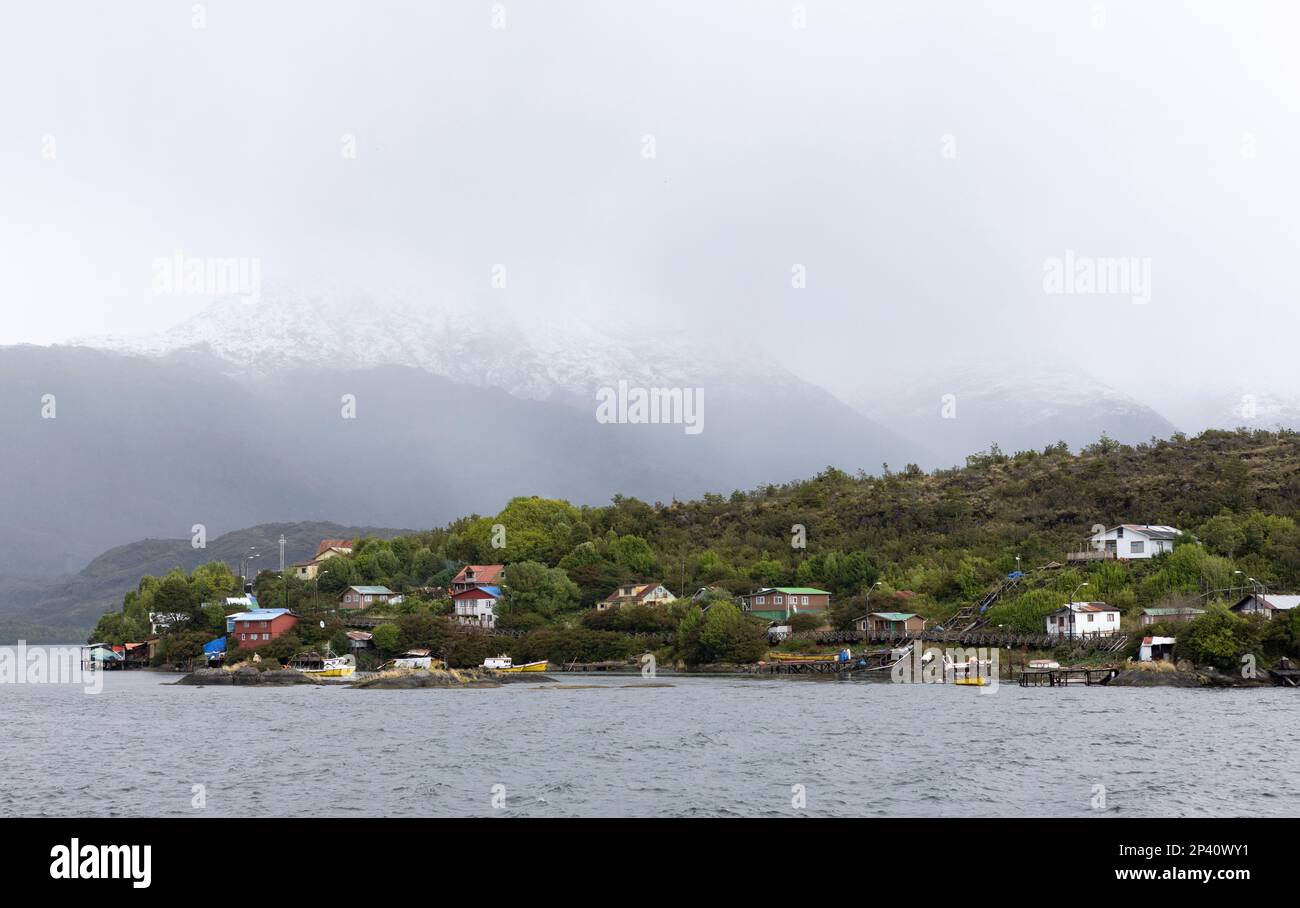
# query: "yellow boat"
803, 657
527, 667
977, 681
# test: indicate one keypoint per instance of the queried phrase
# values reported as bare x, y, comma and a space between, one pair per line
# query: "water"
704, 747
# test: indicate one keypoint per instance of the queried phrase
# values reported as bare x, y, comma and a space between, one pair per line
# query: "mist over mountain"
149, 445
1016, 403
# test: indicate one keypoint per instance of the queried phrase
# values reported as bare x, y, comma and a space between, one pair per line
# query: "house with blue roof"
476, 606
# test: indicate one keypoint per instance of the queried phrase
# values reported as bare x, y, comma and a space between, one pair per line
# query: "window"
1137, 548
777, 600
1110, 616
759, 600
1090, 617
266, 636
804, 600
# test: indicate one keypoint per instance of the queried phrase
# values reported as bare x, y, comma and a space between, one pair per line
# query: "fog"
675, 163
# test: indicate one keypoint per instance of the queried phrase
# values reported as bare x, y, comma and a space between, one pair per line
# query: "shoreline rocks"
416, 679
244, 676
1192, 677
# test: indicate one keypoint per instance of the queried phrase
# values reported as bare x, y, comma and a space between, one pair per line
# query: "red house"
472, 575
261, 626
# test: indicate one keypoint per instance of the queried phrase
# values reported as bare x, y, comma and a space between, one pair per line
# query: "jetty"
1063, 677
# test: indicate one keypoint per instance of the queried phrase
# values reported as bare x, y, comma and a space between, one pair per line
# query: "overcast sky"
1158, 131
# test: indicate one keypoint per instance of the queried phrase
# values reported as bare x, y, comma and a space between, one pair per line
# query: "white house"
1134, 540
1156, 649
477, 605
1266, 604
1083, 619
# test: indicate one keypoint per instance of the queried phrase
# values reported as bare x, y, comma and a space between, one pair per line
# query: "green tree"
531, 586
387, 639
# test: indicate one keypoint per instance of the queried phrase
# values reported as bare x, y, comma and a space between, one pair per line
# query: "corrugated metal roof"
1173, 611
1087, 607
258, 614
894, 616
794, 590
1281, 602
493, 591
372, 590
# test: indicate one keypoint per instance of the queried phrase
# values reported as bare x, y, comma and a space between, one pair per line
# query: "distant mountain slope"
65, 608
336, 326
147, 447
1017, 405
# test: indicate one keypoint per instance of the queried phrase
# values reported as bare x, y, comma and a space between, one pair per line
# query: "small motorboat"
527, 667
499, 663
504, 663
324, 666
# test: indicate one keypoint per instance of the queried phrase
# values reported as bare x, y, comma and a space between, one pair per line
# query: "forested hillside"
927, 541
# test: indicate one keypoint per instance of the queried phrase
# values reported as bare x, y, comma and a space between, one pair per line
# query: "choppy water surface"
706, 746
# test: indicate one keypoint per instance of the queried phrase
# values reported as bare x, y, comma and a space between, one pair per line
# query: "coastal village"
794, 623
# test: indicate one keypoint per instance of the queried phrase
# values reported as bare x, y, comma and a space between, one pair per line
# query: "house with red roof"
1084, 619
476, 606
472, 575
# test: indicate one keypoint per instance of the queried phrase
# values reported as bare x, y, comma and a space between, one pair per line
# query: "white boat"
498, 662
416, 658
326, 666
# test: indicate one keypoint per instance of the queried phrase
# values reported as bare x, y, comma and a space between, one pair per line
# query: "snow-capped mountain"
234, 417
1017, 404
1260, 406
534, 358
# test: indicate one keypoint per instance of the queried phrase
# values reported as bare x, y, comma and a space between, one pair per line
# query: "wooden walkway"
1062, 677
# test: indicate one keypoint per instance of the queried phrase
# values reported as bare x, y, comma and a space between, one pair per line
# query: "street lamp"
316, 600
246, 557
867, 606
1071, 605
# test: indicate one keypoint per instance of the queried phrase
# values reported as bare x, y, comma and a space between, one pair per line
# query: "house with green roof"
891, 624
1157, 615
778, 603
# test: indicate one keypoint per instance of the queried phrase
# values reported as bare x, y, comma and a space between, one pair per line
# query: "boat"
504, 663
416, 658
527, 667
803, 657
324, 666
1042, 664
977, 681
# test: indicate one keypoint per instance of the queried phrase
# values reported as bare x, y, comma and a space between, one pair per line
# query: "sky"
918, 163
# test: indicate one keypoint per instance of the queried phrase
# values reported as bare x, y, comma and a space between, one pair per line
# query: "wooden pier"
1063, 677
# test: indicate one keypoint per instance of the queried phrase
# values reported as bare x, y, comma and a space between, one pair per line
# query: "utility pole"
284, 581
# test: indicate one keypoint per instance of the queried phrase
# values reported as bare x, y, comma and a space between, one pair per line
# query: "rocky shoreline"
244, 676
1189, 677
